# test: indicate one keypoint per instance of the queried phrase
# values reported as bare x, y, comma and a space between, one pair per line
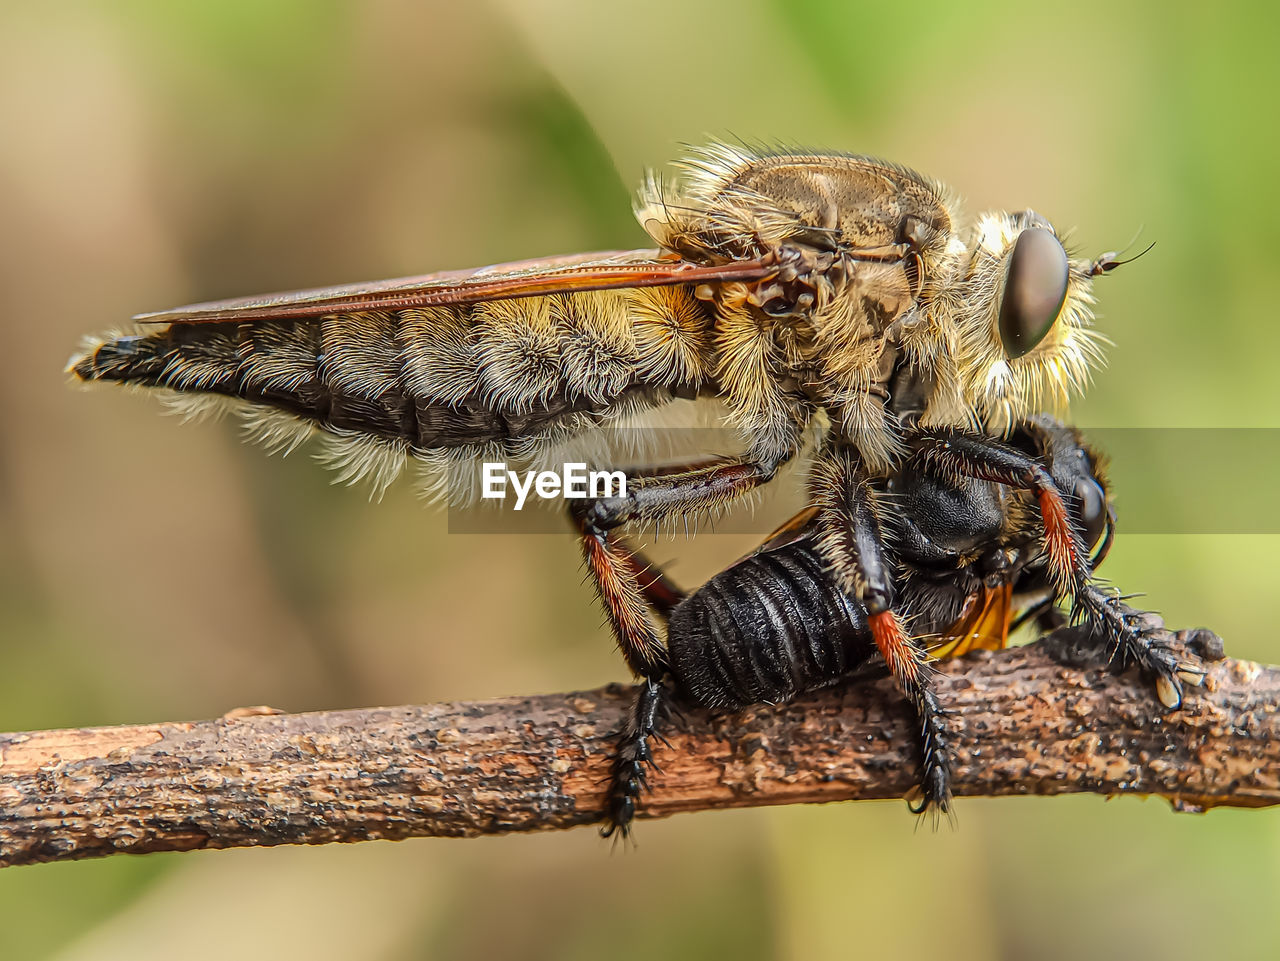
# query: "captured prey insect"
970, 568
832, 304
775, 624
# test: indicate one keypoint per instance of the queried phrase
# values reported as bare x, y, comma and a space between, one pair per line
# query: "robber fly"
833, 305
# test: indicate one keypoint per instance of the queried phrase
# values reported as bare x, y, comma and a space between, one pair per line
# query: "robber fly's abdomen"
772, 626
439, 377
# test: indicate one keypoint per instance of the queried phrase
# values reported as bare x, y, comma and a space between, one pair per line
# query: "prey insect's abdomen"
772, 626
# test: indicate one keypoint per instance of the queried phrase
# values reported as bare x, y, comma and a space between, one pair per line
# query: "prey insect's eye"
1034, 291
1091, 510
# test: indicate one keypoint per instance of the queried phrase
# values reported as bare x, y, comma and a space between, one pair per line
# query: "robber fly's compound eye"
1091, 510
1034, 291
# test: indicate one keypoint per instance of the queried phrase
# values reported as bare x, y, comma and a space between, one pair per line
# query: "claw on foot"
1137, 638
1194, 676
1169, 690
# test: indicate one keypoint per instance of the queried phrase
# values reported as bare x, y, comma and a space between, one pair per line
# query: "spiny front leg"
1128, 634
850, 539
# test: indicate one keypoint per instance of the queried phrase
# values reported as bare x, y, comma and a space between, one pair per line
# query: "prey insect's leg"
850, 539
1131, 635
626, 583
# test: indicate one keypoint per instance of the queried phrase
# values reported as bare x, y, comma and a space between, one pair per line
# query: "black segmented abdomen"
768, 628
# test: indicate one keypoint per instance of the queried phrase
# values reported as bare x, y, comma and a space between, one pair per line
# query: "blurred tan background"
157, 153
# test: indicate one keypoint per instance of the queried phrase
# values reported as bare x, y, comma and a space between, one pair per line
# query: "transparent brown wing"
528, 278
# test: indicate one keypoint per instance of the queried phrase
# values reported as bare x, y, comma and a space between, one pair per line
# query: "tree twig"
1024, 724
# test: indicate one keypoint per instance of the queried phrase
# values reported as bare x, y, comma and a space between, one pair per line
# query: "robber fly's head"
1026, 331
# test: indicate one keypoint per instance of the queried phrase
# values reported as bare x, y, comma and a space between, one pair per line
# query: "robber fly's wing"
528, 278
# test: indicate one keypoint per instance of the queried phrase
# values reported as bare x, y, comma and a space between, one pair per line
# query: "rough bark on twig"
1024, 724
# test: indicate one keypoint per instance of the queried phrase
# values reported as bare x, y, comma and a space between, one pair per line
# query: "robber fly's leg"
658, 590
1132, 637
679, 492
633, 754
627, 583
1137, 637
850, 539
1045, 611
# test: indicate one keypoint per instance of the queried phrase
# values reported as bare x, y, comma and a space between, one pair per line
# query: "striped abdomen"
772, 626
435, 378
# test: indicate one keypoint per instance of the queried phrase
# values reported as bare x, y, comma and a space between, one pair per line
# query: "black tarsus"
633, 756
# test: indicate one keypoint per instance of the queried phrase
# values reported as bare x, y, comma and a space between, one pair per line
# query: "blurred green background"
157, 153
